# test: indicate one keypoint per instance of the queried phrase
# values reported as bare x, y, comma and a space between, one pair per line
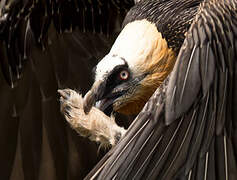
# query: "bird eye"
124, 75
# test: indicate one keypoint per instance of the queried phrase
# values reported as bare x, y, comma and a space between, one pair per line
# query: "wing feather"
46, 45
194, 130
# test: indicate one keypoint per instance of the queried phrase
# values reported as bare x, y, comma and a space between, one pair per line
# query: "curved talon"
65, 93
95, 125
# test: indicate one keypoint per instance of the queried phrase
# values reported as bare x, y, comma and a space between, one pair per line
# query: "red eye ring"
124, 75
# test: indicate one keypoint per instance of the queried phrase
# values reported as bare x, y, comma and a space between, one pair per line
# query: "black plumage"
172, 18
187, 130
46, 45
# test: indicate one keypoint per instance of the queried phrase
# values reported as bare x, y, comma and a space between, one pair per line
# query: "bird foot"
95, 125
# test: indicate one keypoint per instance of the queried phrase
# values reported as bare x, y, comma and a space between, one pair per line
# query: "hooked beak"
93, 95
97, 96
104, 97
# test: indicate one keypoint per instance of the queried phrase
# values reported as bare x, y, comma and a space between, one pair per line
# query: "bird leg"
95, 125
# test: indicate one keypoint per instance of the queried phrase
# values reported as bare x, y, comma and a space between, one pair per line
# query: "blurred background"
47, 45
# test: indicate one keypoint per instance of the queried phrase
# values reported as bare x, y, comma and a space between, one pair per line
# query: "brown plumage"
148, 44
187, 129
158, 66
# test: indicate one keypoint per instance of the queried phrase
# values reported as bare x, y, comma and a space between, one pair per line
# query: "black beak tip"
86, 108
88, 102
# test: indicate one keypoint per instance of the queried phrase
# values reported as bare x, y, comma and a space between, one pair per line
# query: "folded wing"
187, 130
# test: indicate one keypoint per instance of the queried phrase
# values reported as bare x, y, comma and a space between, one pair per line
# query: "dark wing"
46, 45
187, 130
